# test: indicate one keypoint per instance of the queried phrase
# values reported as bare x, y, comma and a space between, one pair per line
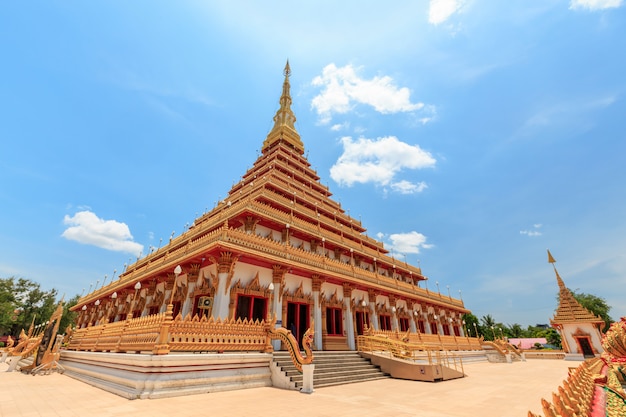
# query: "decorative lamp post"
475, 330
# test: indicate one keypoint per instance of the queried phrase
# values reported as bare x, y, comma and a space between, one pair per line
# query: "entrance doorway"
362, 321
297, 320
585, 346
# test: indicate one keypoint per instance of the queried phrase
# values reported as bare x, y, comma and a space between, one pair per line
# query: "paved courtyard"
489, 390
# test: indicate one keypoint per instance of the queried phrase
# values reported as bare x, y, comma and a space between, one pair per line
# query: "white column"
317, 317
349, 323
373, 316
412, 322
394, 319
278, 311
427, 324
222, 297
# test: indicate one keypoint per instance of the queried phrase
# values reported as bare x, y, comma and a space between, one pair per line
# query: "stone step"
341, 380
324, 364
332, 368
336, 370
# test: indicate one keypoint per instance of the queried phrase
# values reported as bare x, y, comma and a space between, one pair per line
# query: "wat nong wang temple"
279, 244
278, 268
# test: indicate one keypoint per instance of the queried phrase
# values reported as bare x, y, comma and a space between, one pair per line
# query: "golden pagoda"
279, 246
580, 330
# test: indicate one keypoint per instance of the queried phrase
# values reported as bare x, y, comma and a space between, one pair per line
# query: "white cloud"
441, 10
411, 242
87, 228
342, 89
595, 4
340, 126
378, 161
532, 232
406, 187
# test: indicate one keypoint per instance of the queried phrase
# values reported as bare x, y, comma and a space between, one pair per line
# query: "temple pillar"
317, 311
278, 279
347, 302
413, 322
225, 270
427, 321
371, 296
394, 314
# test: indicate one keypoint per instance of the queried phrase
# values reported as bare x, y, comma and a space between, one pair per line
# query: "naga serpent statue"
291, 343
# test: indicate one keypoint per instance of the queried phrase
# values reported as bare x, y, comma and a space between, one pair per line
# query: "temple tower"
580, 330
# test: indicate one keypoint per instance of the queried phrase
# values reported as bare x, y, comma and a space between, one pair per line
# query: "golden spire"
284, 128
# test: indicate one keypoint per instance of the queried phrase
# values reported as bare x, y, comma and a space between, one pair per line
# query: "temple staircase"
331, 368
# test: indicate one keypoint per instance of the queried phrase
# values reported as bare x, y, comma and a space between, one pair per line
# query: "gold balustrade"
202, 334
160, 334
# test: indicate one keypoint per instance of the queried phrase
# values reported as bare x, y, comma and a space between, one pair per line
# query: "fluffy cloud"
440, 10
595, 4
87, 228
379, 161
342, 89
411, 242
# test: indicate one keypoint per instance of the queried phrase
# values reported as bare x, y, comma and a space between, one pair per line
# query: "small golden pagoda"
279, 246
580, 330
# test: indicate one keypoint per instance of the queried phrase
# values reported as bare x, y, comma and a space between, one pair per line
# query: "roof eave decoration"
284, 130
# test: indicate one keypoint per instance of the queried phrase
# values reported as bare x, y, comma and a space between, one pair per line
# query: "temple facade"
279, 246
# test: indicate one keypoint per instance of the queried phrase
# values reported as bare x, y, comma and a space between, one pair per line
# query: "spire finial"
284, 129
287, 70
559, 281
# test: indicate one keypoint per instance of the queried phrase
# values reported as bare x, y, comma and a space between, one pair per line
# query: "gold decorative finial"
287, 70
284, 129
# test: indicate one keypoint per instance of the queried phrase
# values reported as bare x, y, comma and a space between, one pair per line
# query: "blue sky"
468, 136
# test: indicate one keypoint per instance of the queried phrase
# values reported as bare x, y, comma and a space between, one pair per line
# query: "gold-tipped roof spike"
569, 310
284, 129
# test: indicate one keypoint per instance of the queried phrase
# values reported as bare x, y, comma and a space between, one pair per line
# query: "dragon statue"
291, 343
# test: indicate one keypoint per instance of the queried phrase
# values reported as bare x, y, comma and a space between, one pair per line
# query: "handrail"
409, 351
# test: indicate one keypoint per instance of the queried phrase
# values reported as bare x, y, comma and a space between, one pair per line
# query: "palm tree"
488, 327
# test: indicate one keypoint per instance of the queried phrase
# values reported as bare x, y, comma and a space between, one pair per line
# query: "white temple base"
136, 376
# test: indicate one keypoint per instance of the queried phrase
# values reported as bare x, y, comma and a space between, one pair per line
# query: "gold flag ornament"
550, 258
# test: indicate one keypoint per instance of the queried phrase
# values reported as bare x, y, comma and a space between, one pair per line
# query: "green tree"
488, 327
471, 324
515, 330
23, 302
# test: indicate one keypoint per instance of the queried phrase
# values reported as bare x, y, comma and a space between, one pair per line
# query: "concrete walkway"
489, 390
